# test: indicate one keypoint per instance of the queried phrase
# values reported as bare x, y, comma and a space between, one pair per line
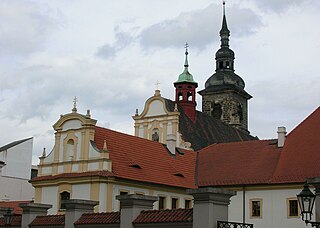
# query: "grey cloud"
24, 27
279, 6
199, 27
122, 40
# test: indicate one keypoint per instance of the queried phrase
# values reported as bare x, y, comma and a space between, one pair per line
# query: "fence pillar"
31, 210
210, 206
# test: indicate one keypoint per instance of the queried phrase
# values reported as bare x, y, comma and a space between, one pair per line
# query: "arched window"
221, 65
70, 149
189, 96
227, 64
180, 97
64, 196
216, 111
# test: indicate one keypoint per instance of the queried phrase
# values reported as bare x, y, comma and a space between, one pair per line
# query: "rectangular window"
174, 203
162, 202
293, 208
187, 204
256, 208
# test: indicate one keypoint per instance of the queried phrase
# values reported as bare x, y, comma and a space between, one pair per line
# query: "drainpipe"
243, 204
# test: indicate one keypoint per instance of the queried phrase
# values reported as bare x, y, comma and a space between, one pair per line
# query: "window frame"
177, 202
288, 208
164, 202
251, 208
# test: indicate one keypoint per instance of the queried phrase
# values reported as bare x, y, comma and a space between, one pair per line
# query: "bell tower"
186, 90
224, 96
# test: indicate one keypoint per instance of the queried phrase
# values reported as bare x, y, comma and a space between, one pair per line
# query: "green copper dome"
186, 76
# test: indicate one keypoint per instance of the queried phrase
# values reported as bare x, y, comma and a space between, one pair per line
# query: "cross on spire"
75, 100
157, 84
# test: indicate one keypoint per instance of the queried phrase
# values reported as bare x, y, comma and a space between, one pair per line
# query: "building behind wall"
267, 174
16, 172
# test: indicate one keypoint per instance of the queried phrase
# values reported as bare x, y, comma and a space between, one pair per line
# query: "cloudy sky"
111, 53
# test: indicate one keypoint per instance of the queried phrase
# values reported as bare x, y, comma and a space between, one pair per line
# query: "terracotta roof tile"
250, 162
103, 173
156, 163
262, 162
16, 221
48, 220
99, 218
300, 155
14, 205
206, 130
164, 216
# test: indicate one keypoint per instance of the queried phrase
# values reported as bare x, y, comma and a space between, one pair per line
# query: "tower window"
180, 97
216, 111
189, 96
220, 65
228, 64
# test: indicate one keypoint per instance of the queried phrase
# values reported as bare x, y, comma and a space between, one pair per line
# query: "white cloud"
24, 26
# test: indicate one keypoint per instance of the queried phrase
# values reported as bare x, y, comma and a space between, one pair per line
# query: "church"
176, 147
224, 116
95, 163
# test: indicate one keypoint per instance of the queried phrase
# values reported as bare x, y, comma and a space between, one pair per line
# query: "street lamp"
306, 201
8, 218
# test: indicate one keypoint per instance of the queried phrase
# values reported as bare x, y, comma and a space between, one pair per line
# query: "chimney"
131, 206
281, 136
31, 210
171, 143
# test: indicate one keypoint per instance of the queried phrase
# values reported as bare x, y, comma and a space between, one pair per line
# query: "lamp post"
8, 218
306, 201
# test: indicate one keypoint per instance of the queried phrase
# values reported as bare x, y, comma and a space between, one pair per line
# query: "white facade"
17, 171
274, 207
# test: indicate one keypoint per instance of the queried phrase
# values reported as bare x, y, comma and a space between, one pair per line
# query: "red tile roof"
16, 221
48, 220
99, 218
103, 173
156, 163
164, 216
262, 162
14, 205
301, 154
249, 162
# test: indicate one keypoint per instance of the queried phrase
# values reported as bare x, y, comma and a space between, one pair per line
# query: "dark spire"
224, 32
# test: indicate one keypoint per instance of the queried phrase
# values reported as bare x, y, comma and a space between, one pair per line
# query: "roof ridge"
14, 143
304, 120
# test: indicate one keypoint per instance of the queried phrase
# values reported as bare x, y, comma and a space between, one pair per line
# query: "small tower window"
189, 96
240, 112
228, 64
180, 97
220, 65
216, 111
64, 196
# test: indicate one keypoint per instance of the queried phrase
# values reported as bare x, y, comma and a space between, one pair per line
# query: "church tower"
186, 90
224, 96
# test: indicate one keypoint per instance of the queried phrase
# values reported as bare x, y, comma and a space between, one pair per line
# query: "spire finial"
75, 100
186, 64
157, 84
224, 32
